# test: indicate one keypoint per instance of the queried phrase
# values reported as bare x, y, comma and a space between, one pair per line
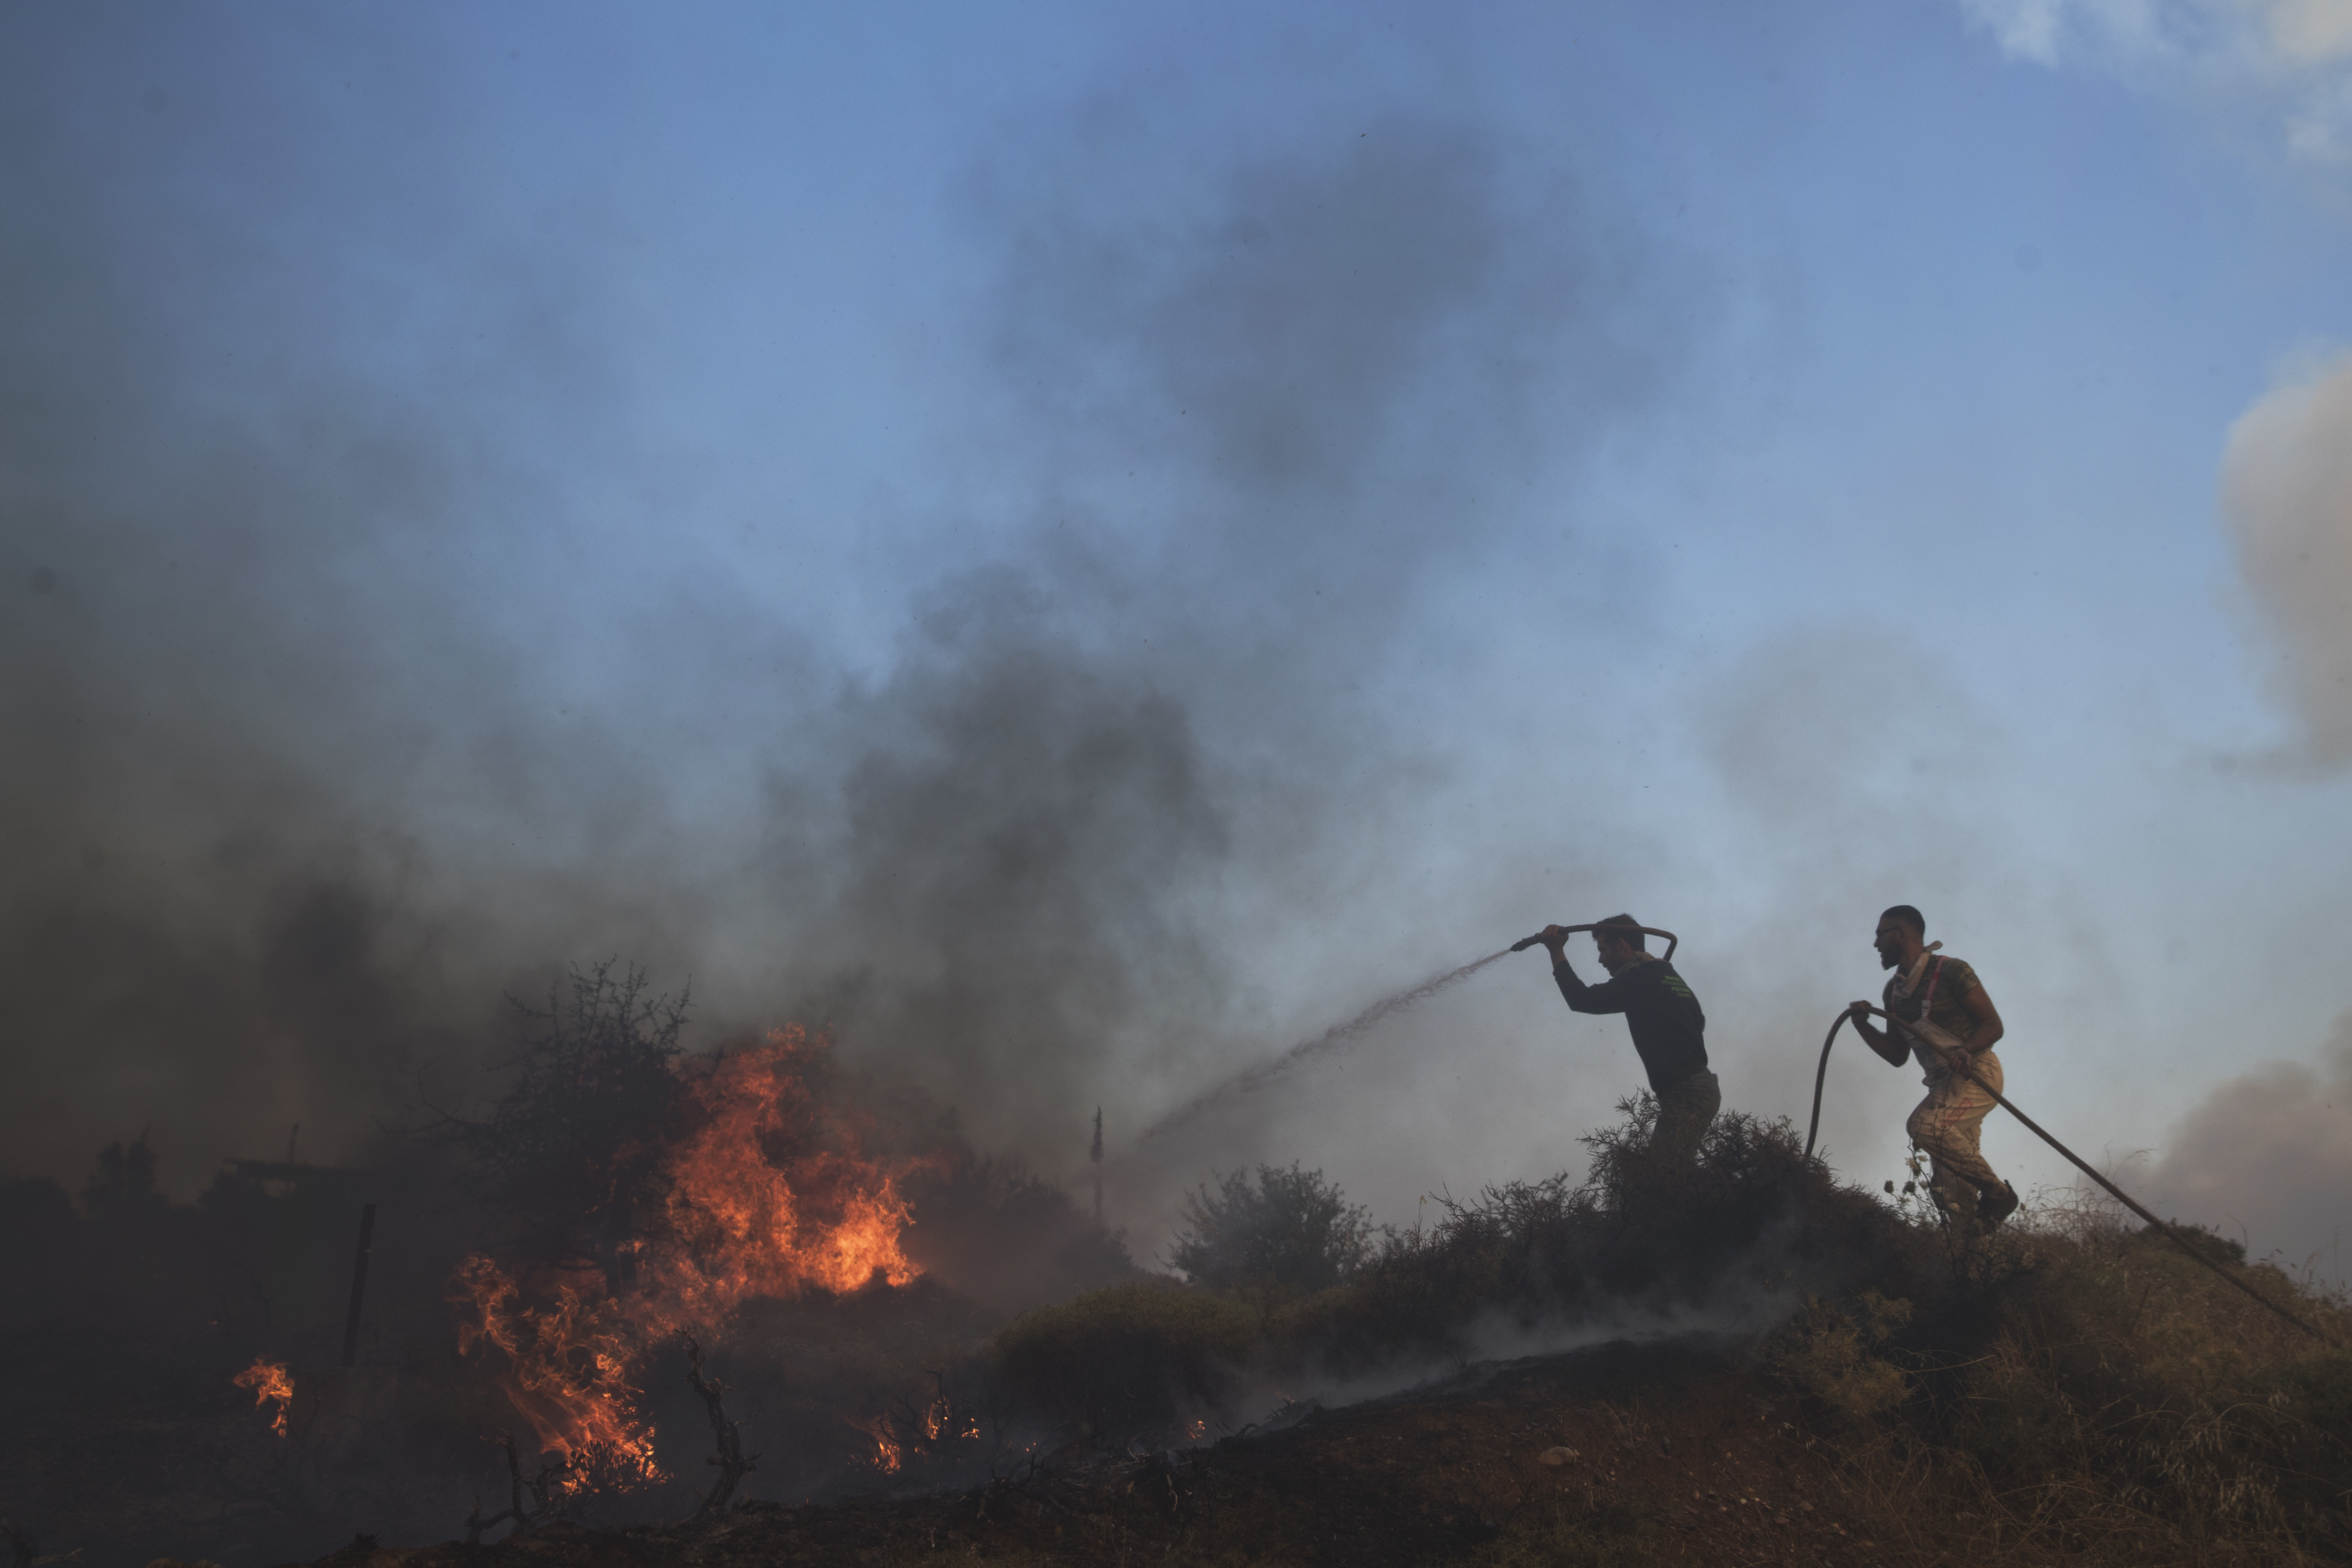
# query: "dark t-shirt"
1668, 1029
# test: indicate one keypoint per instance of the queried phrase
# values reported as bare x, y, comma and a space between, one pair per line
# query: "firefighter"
1668, 1028
1948, 1023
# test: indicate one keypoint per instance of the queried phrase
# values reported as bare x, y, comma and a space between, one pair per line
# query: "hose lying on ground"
1821, 1073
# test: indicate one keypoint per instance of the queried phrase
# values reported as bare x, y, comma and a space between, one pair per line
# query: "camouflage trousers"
1947, 1124
1685, 1111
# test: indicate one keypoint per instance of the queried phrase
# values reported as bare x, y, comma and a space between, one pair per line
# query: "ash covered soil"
1622, 1452
2072, 1389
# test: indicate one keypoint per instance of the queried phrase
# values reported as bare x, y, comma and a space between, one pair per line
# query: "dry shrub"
2072, 1388
2092, 1393
1752, 1216
1837, 1357
1129, 1358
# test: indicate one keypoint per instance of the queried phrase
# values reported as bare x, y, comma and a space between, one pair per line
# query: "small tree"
573, 1151
1291, 1229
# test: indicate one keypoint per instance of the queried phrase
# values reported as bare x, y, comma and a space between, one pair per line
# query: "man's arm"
1974, 1002
1608, 996
1605, 997
1988, 1027
1877, 1039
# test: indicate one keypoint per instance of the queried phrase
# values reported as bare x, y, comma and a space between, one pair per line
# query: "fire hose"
1672, 940
1821, 1073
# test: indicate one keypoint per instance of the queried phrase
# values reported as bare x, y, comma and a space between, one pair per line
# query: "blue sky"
1082, 545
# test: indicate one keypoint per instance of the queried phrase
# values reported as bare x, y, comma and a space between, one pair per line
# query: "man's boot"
1995, 1204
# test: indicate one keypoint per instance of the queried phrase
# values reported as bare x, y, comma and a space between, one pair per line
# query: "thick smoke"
327, 724
2288, 488
1110, 783
290, 803
2267, 1156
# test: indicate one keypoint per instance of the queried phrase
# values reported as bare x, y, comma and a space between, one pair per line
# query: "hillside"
1866, 1387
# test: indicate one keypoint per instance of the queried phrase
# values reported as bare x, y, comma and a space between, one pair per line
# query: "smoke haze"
2288, 487
320, 750
1079, 548
2268, 1156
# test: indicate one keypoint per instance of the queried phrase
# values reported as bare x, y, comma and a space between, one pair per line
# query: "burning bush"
765, 1191
573, 1153
272, 1381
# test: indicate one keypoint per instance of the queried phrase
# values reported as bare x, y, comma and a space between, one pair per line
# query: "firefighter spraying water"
1668, 1027
1937, 1012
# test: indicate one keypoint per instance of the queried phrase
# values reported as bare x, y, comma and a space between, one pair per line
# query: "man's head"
1619, 938
1902, 932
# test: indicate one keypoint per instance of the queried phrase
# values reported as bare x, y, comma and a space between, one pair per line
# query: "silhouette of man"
1668, 1027
1948, 1025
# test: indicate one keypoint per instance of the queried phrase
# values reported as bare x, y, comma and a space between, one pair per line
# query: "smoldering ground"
331, 730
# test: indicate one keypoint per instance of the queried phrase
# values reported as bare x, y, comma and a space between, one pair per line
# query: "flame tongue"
567, 1369
770, 1195
269, 1380
888, 1453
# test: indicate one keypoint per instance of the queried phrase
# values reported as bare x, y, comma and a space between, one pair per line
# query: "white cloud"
2289, 60
2310, 32
2286, 488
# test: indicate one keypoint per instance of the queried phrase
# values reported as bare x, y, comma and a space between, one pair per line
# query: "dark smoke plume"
2267, 1157
327, 726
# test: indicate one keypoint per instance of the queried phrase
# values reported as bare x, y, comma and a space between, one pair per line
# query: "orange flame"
268, 1380
567, 1367
888, 1454
770, 1195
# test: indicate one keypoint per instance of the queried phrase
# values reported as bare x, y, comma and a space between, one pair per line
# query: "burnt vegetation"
570, 1153
1745, 1360
127, 1317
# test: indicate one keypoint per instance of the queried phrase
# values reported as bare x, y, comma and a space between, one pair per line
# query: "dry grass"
2085, 1392
2071, 1390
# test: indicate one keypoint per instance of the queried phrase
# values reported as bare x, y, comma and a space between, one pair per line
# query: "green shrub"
1128, 1359
1286, 1231
1752, 1213
2070, 1383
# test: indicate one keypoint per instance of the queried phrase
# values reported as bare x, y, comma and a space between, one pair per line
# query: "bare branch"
732, 1466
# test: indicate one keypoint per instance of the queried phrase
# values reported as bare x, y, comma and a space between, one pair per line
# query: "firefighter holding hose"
1668, 1027
1948, 1025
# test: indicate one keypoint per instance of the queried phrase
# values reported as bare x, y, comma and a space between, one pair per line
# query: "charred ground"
1750, 1363
129, 1321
